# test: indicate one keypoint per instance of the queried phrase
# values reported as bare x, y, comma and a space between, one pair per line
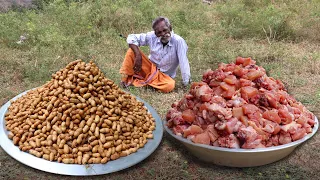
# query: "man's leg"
126, 69
149, 74
127, 72
163, 82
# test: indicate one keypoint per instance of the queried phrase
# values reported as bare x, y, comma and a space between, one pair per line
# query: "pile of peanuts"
79, 117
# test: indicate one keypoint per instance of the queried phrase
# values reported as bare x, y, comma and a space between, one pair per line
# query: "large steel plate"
75, 169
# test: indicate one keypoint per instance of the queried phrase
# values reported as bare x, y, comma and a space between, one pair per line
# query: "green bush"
251, 19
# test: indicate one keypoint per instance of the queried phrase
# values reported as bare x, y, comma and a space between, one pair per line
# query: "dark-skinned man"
167, 52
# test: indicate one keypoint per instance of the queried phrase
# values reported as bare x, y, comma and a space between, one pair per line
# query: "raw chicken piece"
247, 134
300, 133
202, 138
192, 130
220, 112
212, 132
285, 138
178, 130
230, 141
291, 128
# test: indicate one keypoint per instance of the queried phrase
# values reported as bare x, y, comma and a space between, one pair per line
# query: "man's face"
163, 32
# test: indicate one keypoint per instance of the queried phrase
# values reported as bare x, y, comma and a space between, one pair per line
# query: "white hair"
156, 21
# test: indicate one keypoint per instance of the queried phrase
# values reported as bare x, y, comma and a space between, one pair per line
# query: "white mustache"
166, 35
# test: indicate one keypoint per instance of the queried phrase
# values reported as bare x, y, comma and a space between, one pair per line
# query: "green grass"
282, 36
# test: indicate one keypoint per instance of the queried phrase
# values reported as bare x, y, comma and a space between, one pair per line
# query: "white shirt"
166, 58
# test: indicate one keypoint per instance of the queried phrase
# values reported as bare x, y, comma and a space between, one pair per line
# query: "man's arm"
183, 62
138, 59
134, 41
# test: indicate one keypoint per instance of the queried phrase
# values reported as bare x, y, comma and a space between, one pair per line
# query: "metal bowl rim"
240, 150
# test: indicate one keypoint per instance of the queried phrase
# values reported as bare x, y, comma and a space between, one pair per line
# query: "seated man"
167, 52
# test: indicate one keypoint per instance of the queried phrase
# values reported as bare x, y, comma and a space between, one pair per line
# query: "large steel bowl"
240, 157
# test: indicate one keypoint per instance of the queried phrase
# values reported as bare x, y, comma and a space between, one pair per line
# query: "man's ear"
170, 27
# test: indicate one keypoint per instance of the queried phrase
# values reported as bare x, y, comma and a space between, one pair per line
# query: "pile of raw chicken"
239, 106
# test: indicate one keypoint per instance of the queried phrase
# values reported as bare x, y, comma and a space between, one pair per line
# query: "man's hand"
186, 85
137, 64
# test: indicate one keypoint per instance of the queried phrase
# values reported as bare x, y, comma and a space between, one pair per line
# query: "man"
167, 52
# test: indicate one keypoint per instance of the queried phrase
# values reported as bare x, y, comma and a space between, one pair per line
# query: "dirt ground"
172, 161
